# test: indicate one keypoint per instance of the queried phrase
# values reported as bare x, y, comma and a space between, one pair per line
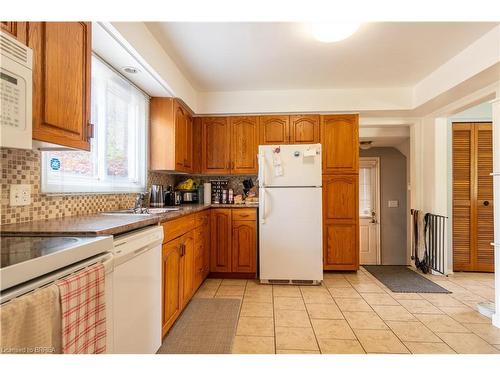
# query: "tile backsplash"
23, 167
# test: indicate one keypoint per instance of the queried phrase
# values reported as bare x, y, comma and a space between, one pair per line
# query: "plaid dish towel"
83, 311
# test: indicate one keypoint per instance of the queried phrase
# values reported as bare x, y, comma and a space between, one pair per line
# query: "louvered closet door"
484, 200
472, 197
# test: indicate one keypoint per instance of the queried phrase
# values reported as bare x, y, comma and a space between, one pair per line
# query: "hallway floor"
355, 313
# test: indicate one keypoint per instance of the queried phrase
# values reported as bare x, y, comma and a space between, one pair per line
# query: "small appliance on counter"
156, 196
189, 196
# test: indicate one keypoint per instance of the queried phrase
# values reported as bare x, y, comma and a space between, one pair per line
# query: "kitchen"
206, 229
137, 222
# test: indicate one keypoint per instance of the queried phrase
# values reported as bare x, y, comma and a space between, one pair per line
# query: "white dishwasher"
137, 291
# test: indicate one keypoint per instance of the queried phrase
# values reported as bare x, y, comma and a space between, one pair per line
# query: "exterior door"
472, 197
369, 222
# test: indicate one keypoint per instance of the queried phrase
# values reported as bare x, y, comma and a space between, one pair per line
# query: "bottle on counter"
224, 196
230, 197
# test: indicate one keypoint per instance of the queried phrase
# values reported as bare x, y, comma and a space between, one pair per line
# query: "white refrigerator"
290, 214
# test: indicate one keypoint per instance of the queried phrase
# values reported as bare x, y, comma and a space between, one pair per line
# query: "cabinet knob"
486, 203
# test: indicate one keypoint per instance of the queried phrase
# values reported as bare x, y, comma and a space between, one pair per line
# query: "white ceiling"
281, 56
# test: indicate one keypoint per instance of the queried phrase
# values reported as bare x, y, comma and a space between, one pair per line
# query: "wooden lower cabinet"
234, 241
188, 267
244, 249
220, 256
340, 222
172, 283
180, 261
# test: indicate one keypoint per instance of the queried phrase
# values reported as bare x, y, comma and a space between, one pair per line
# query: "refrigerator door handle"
262, 165
263, 200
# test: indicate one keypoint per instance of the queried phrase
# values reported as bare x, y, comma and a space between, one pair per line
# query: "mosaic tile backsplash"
23, 167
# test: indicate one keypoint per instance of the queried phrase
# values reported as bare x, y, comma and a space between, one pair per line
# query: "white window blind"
117, 161
365, 192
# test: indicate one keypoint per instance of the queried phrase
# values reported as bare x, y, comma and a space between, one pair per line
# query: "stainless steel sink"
144, 213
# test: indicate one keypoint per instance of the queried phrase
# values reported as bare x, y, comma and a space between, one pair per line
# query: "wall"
23, 167
393, 230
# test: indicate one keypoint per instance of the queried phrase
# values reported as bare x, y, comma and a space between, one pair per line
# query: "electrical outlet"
20, 195
393, 204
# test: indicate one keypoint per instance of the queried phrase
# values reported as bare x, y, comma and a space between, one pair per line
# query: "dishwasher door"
137, 299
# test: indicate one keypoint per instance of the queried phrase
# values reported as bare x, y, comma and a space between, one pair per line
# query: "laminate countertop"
101, 224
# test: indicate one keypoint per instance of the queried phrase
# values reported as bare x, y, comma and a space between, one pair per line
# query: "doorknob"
374, 217
486, 203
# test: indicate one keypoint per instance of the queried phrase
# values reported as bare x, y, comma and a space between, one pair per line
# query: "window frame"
91, 185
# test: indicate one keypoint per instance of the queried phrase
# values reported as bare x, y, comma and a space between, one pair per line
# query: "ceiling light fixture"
333, 31
365, 145
130, 70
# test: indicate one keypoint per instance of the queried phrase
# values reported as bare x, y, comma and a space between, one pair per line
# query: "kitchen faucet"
139, 201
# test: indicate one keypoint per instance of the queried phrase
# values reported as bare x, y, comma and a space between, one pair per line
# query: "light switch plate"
393, 204
20, 195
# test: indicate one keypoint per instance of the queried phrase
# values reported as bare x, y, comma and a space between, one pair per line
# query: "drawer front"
177, 227
202, 218
244, 214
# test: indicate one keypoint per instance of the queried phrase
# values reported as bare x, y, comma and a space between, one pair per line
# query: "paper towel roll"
207, 193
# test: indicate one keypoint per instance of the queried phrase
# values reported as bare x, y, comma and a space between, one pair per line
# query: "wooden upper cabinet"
16, 29
304, 129
274, 130
171, 136
215, 145
61, 82
244, 144
340, 141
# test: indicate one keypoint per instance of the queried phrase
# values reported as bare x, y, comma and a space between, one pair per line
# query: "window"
366, 205
117, 160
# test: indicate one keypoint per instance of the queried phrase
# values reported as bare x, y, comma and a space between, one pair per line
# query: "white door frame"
374, 161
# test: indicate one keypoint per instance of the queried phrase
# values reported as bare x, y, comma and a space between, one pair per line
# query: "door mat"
401, 279
206, 326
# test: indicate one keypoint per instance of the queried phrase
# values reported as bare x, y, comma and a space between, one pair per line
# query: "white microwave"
16, 71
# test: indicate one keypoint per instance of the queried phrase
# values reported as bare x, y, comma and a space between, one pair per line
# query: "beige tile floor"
355, 313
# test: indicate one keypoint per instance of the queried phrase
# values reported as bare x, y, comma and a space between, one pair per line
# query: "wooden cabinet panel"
188, 266
304, 129
220, 256
244, 144
340, 141
341, 247
340, 197
340, 222
215, 145
172, 283
244, 249
177, 227
183, 138
274, 130
61, 82
197, 134
180, 136
188, 153
16, 29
